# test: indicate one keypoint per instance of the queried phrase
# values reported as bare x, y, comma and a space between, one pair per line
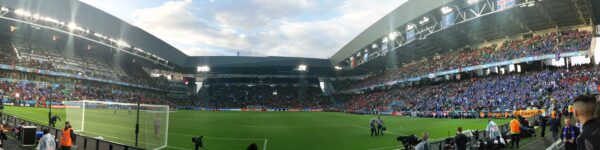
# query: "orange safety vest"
553, 114
515, 128
481, 114
65, 139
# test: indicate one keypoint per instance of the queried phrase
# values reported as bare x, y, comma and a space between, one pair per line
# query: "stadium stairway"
539, 143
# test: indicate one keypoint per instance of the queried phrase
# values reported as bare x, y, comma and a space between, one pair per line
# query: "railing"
81, 141
474, 140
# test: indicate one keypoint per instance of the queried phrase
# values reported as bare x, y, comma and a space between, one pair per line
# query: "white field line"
265, 145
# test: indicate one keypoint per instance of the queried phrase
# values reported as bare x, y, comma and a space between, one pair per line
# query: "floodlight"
4, 9
471, 2
373, 45
424, 20
302, 68
393, 35
446, 10
122, 43
35, 16
21, 12
337, 68
410, 27
51, 20
204, 68
71, 26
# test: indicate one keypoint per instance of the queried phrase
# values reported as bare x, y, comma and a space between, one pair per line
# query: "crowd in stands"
550, 43
270, 96
542, 89
22, 88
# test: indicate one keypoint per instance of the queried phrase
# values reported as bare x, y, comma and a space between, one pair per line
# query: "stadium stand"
553, 43
514, 91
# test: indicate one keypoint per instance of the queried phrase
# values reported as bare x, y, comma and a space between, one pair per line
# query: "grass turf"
278, 130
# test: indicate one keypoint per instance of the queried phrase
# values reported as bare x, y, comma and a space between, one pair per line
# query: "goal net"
116, 122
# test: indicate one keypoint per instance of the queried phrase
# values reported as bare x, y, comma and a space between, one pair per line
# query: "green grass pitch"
273, 130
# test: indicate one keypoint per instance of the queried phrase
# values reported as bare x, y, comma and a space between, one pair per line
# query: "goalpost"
116, 122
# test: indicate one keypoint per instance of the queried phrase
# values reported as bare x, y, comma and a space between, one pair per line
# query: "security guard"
515, 132
68, 137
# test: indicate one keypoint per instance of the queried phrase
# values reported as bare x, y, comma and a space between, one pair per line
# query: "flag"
503, 4
410, 35
448, 20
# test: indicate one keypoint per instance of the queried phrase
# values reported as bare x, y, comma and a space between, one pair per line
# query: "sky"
294, 28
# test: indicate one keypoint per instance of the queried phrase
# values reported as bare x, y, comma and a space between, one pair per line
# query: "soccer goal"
116, 122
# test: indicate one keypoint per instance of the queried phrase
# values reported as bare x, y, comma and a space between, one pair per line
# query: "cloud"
299, 28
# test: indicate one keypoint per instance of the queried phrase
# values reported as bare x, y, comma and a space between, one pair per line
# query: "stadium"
429, 74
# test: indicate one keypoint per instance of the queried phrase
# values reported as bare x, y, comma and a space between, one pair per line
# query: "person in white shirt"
494, 132
47, 141
424, 145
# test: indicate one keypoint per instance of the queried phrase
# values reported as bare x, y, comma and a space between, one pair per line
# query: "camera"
197, 139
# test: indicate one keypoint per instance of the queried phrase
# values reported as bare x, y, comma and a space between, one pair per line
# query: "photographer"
198, 142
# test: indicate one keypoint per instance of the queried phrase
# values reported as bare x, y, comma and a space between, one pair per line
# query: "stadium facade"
409, 33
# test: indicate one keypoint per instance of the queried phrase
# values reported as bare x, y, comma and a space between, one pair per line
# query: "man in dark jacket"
585, 108
461, 140
543, 121
554, 127
568, 135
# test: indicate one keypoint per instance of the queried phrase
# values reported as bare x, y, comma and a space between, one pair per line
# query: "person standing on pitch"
568, 135
53, 120
585, 108
157, 124
372, 125
68, 137
379, 125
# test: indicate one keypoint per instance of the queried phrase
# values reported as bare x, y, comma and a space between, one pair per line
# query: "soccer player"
379, 125
372, 125
157, 123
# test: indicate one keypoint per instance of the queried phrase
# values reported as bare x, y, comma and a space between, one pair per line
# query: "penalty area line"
265, 146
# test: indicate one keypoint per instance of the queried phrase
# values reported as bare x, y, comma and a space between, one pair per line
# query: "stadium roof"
543, 15
546, 14
398, 17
